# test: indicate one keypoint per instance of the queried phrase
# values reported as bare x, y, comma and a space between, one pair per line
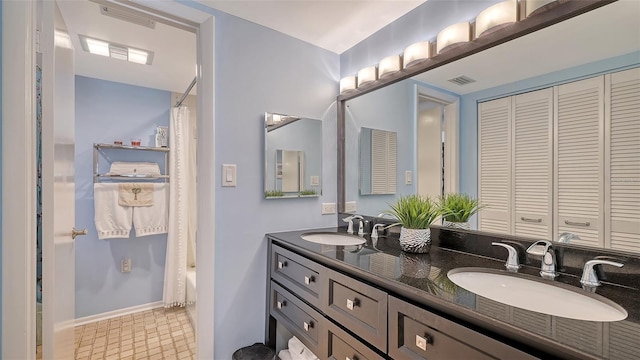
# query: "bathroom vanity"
374, 301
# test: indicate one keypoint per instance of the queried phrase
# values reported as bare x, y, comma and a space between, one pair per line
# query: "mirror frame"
551, 14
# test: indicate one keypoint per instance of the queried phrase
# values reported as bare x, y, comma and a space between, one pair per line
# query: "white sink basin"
333, 239
537, 295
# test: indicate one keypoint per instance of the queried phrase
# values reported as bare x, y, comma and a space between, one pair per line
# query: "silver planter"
457, 225
415, 240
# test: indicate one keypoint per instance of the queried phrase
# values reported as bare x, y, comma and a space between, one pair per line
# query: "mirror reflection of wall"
293, 156
378, 161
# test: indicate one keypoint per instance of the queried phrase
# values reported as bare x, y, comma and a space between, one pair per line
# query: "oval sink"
333, 239
537, 295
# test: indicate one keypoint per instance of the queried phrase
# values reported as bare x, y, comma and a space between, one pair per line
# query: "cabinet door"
494, 165
579, 166
416, 333
342, 346
533, 163
622, 149
300, 275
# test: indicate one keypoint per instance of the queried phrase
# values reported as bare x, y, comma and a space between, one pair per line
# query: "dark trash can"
256, 351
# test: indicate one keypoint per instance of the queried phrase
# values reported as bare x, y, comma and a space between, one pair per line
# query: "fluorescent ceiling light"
116, 51
98, 47
138, 56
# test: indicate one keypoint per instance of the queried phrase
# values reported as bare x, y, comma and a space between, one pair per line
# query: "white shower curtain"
179, 210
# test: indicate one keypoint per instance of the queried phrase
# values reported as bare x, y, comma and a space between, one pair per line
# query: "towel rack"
97, 148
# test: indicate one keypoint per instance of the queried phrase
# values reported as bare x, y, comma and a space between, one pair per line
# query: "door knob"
75, 232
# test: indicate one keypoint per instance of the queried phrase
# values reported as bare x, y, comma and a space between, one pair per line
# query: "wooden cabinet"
415, 333
341, 317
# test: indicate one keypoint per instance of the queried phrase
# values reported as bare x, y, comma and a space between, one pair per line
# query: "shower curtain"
180, 222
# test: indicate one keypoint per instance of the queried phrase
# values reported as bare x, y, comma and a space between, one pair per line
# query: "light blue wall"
469, 107
108, 111
1, 180
258, 70
421, 24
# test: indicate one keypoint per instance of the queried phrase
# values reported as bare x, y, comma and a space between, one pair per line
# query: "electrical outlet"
328, 208
125, 265
350, 207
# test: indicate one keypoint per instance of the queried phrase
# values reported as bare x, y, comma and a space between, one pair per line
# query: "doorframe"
19, 182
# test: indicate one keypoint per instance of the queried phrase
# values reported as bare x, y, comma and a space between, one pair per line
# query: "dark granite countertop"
421, 279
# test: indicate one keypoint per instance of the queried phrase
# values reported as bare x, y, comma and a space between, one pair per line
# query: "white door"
58, 189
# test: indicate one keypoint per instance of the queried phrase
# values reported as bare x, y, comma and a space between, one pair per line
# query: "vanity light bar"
501, 14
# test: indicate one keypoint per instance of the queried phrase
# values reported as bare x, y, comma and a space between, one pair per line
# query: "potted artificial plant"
457, 209
415, 214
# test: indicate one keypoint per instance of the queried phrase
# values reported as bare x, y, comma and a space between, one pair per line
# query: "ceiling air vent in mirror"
129, 16
462, 80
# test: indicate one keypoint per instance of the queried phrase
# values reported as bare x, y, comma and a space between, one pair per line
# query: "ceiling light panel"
116, 51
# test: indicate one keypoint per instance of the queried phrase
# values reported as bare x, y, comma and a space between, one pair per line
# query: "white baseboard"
117, 313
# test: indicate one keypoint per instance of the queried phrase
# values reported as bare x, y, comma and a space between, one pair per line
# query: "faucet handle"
512, 263
374, 230
539, 248
349, 219
589, 276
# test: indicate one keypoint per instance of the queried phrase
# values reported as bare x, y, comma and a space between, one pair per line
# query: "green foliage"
415, 212
308, 192
273, 193
458, 207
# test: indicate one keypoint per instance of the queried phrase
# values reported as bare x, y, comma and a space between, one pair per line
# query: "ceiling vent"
462, 80
127, 16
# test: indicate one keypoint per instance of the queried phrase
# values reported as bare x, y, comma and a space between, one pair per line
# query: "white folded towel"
284, 355
112, 220
135, 194
299, 351
152, 220
134, 168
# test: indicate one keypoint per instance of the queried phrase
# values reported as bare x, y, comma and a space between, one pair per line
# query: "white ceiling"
600, 34
333, 25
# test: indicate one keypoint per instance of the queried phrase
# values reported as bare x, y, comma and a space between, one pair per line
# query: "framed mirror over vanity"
293, 156
542, 126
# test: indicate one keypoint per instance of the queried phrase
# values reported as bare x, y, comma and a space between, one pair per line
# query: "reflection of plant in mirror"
273, 193
459, 207
415, 211
308, 192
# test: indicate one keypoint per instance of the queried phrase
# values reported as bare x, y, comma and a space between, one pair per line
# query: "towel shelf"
98, 148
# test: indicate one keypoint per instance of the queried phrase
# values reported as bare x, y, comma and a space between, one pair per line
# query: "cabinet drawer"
415, 333
342, 346
299, 318
358, 307
297, 273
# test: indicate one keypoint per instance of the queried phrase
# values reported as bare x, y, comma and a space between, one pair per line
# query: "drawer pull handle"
421, 342
282, 264
309, 279
281, 304
352, 303
351, 358
574, 223
530, 220
307, 325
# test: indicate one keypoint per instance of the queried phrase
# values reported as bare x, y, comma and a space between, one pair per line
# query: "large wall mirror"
293, 156
436, 119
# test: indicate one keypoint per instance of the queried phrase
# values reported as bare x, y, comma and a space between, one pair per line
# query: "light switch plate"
408, 177
229, 175
314, 180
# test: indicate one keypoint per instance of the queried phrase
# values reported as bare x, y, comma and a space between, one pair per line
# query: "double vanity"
351, 297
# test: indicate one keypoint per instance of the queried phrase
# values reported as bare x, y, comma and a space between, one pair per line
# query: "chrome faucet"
544, 249
512, 263
385, 215
374, 230
589, 278
349, 219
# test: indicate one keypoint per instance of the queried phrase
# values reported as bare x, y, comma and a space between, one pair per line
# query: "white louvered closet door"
579, 168
622, 149
494, 165
533, 164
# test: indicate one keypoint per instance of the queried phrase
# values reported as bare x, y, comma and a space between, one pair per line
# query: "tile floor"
153, 334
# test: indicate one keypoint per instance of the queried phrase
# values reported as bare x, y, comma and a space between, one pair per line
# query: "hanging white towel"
152, 220
112, 220
135, 194
134, 168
